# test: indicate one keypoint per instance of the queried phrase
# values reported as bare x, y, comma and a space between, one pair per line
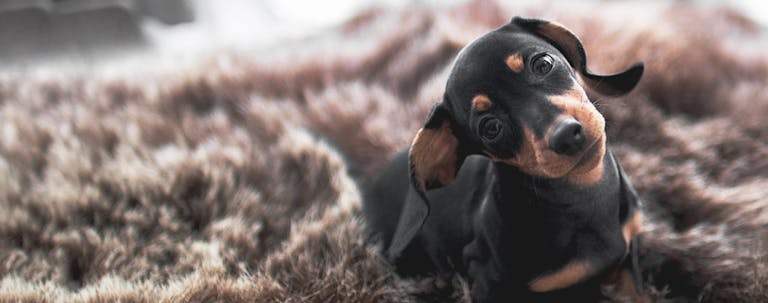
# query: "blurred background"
183, 150
92, 33
87, 32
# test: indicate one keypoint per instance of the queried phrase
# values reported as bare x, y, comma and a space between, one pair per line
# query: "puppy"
510, 183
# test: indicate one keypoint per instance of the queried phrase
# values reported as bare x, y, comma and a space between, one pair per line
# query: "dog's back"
384, 198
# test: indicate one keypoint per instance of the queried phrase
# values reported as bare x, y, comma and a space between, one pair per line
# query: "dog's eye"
490, 128
542, 64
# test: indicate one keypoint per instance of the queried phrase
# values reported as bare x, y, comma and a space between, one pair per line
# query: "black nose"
567, 138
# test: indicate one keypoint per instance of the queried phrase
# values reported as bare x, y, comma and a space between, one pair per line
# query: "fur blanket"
237, 180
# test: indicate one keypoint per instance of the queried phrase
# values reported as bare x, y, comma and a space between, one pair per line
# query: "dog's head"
513, 96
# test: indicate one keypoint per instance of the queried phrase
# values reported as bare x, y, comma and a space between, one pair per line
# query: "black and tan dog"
510, 182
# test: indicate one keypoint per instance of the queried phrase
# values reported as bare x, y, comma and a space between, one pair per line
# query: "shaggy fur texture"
227, 182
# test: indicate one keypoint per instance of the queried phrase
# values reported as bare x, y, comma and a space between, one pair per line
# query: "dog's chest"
550, 248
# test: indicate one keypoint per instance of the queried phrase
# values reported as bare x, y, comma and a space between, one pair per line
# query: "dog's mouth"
589, 153
554, 165
536, 159
589, 168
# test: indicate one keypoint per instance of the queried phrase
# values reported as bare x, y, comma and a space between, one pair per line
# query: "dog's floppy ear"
433, 160
433, 155
571, 47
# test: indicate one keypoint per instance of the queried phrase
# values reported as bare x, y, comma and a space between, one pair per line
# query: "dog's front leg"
482, 274
625, 284
480, 284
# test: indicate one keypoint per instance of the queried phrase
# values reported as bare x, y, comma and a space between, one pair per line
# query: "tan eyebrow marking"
481, 103
515, 63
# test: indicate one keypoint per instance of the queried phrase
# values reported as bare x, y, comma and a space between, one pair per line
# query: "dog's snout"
567, 138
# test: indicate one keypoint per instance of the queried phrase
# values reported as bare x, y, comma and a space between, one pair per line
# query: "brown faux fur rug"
226, 182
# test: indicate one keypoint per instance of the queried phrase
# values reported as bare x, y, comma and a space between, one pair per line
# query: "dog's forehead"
482, 63
498, 44
497, 41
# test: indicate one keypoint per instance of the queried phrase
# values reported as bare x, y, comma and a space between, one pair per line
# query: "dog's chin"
589, 169
588, 158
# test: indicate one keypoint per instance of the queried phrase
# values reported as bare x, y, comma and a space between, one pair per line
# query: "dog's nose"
567, 138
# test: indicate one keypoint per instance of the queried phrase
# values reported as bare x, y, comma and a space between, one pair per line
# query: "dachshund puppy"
510, 183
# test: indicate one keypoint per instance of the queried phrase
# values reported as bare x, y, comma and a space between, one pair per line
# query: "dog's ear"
433, 159
434, 152
571, 47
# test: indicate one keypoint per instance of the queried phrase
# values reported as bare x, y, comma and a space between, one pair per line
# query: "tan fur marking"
621, 288
632, 227
515, 63
570, 274
481, 103
575, 103
433, 154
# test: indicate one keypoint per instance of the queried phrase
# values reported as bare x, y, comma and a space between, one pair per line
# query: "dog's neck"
561, 192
